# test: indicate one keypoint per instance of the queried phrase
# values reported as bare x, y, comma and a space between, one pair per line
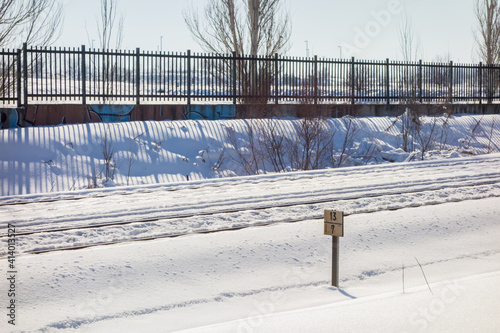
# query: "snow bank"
72, 157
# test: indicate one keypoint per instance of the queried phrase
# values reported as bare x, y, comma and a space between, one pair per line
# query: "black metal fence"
78, 75
10, 82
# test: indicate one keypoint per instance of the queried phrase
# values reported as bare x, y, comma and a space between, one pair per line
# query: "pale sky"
366, 29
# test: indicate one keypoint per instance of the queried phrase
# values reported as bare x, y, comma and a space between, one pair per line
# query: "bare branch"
106, 25
408, 41
223, 29
487, 33
30, 21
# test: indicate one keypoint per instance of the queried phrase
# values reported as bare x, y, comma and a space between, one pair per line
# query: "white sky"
442, 26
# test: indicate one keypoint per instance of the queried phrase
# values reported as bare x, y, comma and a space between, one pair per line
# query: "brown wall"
55, 114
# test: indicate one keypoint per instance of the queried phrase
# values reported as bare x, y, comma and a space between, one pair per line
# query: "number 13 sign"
334, 223
334, 226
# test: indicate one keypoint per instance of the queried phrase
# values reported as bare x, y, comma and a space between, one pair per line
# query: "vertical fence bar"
38, 68
84, 77
387, 82
2, 64
353, 78
276, 82
234, 69
52, 69
137, 76
450, 89
25, 74
99, 74
188, 59
19, 78
62, 60
315, 77
420, 78
497, 79
93, 73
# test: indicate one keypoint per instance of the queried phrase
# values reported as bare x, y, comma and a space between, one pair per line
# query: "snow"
200, 280
415, 311
252, 201
70, 157
274, 275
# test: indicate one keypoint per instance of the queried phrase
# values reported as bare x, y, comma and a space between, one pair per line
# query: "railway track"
486, 180
213, 206
489, 186
201, 232
147, 208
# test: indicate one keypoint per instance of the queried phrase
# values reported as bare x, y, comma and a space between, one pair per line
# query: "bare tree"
410, 51
487, 33
108, 154
25, 21
408, 40
274, 143
351, 130
361, 78
312, 146
249, 156
487, 36
34, 22
109, 30
427, 139
408, 84
440, 74
107, 24
409, 123
246, 27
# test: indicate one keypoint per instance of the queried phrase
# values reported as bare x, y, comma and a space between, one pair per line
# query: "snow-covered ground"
277, 278
209, 205
71, 157
274, 275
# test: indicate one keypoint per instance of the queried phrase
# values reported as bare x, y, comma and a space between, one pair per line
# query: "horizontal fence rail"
79, 75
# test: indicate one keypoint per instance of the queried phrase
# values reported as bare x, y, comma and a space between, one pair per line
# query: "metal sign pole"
334, 226
335, 261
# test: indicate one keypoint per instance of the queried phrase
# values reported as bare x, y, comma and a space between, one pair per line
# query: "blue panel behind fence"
113, 113
212, 112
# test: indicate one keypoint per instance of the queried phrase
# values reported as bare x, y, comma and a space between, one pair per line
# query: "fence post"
387, 82
137, 76
276, 80
353, 76
451, 82
25, 74
315, 79
234, 77
420, 80
480, 79
84, 77
19, 78
189, 79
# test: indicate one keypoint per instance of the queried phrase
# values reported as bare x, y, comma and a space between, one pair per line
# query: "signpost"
334, 226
